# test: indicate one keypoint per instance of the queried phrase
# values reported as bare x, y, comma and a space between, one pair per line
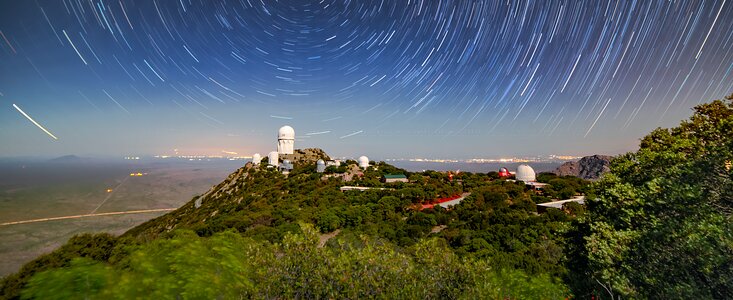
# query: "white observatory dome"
256, 158
286, 133
525, 173
363, 162
320, 166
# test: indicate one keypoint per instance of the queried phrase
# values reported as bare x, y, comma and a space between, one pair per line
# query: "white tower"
256, 158
285, 140
363, 162
273, 158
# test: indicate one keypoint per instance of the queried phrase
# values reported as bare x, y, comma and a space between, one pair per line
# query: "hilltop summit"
227, 196
304, 156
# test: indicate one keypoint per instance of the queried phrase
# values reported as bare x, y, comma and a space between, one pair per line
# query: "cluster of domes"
285, 149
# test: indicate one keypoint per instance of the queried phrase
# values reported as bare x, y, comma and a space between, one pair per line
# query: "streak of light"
331, 119
571, 74
72, 46
8, 42
115, 101
319, 132
189, 52
351, 134
34, 122
280, 117
598, 117
709, 31
151, 69
212, 118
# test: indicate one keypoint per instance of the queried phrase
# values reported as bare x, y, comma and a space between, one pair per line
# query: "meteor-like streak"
34, 122
317, 133
281, 117
351, 134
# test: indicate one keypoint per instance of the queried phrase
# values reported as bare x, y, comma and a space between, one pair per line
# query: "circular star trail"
533, 76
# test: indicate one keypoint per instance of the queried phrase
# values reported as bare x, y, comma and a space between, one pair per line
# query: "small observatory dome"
287, 164
320, 166
256, 158
286, 133
525, 173
273, 158
363, 162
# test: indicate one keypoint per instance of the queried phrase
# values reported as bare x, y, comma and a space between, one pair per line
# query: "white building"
273, 158
525, 173
256, 158
286, 167
320, 166
363, 162
285, 140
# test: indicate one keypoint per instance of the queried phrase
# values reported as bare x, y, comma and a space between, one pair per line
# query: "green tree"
659, 225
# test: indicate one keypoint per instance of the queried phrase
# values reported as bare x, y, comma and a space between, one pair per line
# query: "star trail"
485, 77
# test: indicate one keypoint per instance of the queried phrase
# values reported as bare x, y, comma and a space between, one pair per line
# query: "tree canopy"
659, 225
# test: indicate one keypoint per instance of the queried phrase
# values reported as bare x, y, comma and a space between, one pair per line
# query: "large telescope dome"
286, 132
525, 173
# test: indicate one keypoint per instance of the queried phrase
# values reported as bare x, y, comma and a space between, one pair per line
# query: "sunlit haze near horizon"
387, 79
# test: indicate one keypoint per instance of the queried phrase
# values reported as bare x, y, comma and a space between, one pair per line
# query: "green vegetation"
658, 226
227, 266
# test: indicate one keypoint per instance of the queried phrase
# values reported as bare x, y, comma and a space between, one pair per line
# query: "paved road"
89, 215
109, 195
455, 201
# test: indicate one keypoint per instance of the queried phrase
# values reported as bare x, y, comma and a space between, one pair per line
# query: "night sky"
389, 79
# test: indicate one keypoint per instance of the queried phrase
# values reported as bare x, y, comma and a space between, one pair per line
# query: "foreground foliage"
227, 266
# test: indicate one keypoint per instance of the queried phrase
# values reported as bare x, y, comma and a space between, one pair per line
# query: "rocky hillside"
589, 167
238, 190
305, 156
199, 209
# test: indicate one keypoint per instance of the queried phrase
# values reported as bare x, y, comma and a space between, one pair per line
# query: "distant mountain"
589, 167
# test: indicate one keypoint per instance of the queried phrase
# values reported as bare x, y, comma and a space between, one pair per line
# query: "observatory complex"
286, 156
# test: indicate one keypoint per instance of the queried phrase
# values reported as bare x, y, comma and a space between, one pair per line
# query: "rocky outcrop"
589, 167
305, 156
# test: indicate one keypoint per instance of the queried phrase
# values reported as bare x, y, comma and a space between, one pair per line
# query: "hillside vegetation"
658, 225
